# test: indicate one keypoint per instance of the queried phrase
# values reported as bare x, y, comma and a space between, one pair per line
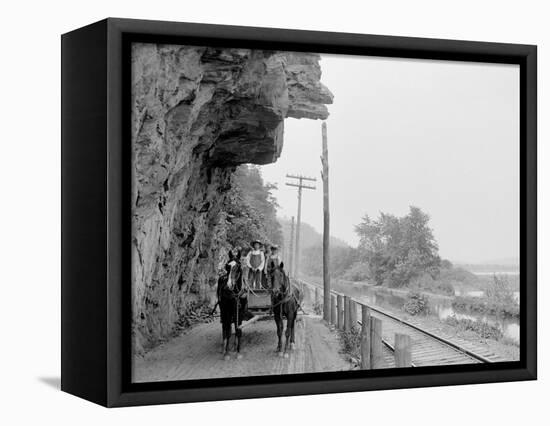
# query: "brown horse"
233, 305
285, 301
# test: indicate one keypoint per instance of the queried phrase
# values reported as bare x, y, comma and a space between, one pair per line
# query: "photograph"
299, 212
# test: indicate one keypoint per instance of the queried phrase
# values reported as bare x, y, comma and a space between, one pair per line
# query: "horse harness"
287, 295
234, 295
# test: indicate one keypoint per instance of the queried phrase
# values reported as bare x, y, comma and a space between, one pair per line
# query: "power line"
300, 185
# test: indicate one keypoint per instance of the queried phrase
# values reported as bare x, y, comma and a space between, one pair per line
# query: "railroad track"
427, 348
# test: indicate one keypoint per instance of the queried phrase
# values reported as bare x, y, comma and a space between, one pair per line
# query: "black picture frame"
96, 224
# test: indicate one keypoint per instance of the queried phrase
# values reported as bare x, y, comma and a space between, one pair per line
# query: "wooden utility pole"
326, 227
300, 185
291, 250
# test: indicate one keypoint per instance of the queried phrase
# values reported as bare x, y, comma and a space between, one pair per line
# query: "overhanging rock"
196, 114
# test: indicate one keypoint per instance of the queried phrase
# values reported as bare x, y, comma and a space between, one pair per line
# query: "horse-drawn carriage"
236, 301
259, 301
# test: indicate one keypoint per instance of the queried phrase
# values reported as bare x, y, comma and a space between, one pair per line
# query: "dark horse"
285, 301
232, 305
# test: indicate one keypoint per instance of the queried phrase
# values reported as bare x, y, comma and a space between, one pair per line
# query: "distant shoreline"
494, 272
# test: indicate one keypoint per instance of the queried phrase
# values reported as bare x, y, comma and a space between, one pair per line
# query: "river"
441, 306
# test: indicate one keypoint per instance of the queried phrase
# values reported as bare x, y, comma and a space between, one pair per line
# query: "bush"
446, 264
192, 313
470, 304
351, 342
416, 304
482, 329
498, 300
357, 272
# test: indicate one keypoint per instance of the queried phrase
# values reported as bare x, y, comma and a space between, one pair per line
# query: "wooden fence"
344, 316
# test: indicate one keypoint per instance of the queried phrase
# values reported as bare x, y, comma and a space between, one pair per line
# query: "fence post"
365, 333
340, 308
352, 314
376, 342
346, 314
333, 319
403, 356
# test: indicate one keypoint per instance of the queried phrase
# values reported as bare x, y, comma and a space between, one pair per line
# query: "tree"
398, 249
251, 209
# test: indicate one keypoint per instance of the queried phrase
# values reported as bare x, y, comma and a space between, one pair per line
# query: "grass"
482, 329
485, 305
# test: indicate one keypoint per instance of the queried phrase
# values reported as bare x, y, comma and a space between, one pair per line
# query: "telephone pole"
326, 226
291, 250
300, 185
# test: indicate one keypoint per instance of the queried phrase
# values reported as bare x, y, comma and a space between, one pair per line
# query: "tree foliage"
359, 271
398, 249
341, 259
251, 209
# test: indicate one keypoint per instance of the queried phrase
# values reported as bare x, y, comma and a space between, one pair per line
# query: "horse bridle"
237, 295
285, 295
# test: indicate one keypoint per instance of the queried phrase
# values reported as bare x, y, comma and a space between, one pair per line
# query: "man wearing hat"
255, 260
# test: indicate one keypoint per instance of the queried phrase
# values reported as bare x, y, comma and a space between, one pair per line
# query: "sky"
440, 135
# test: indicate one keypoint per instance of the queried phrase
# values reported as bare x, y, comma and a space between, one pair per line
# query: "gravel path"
196, 354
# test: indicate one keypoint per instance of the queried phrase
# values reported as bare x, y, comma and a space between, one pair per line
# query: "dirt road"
196, 354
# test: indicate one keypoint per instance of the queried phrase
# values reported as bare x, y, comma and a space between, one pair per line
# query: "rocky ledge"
197, 113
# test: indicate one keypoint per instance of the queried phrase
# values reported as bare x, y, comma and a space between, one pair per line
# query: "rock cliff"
197, 113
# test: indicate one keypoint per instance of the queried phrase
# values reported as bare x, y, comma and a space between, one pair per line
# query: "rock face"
197, 113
